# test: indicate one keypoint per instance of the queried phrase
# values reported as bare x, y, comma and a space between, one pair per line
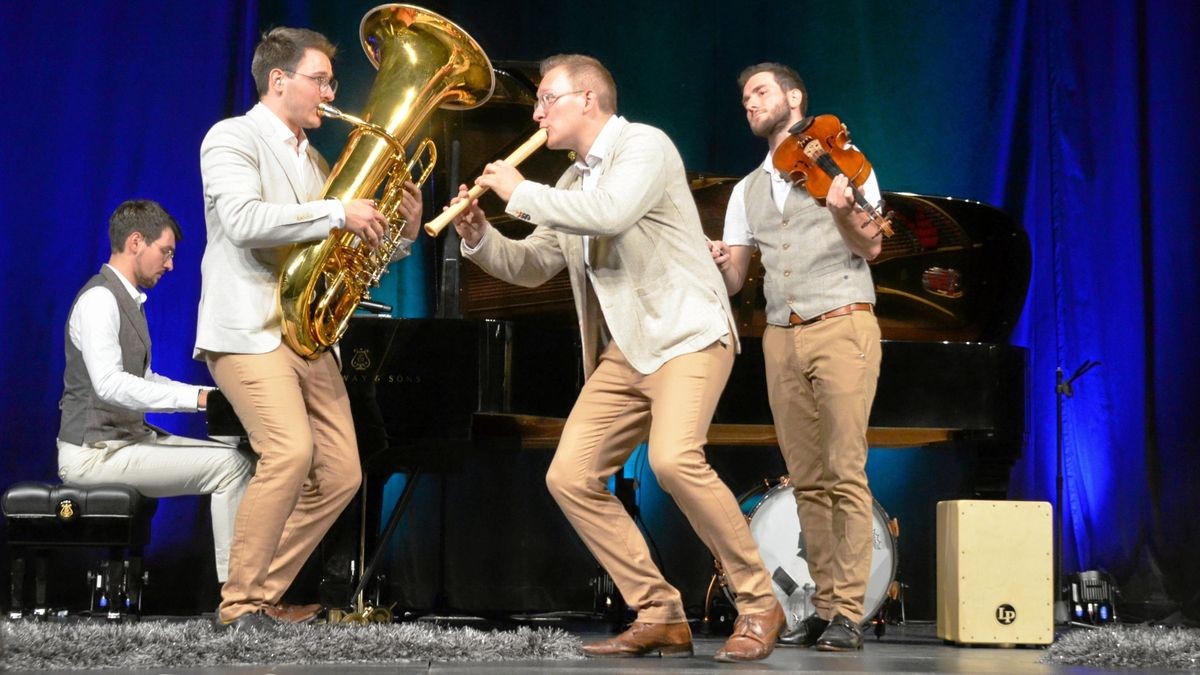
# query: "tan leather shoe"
753, 636
252, 622
286, 612
665, 639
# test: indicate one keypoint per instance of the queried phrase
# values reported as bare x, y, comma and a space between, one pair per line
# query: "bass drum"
776, 529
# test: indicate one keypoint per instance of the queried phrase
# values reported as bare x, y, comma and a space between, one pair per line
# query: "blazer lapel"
322, 172
599, 248
572, 244
281, 152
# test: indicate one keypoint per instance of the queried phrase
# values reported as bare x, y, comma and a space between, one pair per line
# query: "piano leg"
393, 521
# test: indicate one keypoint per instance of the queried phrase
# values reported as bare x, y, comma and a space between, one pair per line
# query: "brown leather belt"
795, 320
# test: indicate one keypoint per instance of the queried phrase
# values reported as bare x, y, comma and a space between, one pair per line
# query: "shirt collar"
280, 131
138, 296
600, 146
768, 166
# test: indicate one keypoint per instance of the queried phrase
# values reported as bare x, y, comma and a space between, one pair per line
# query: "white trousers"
168, 466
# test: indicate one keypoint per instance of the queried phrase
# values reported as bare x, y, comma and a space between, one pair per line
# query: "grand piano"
498, 368
950, 287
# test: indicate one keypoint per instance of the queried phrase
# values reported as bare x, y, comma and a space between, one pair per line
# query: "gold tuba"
425, 61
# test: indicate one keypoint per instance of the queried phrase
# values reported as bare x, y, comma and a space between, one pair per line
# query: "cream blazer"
255, 206
656, 287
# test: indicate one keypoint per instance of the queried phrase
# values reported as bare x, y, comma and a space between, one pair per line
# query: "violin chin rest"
801, 125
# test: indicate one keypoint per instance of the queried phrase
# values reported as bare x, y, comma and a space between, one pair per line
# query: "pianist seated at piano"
108, 385
821, 347
658, 342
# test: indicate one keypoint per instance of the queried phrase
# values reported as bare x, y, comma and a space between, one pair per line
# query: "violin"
817, 151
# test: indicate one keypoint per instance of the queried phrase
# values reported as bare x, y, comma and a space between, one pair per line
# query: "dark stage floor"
911, 648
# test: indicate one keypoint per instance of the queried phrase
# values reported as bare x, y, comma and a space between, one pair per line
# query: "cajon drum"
995, 572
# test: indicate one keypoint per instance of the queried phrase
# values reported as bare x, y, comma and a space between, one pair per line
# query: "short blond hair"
587, 73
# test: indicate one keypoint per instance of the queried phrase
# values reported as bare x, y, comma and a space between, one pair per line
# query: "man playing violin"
821, 348
658, 343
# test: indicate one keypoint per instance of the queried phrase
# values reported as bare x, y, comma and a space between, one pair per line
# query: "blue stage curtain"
107, 102
1167, 133
1073, 117
1110, 159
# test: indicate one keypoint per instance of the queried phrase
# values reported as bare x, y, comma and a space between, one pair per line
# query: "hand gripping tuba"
425, 62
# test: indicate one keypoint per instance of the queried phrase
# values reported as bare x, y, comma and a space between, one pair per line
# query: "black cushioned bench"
41, 516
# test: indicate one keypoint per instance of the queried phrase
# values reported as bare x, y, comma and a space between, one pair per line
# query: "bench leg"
133, 582
40, 609
16, 587
114, 584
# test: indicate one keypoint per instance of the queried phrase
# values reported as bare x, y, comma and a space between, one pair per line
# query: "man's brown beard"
772, 124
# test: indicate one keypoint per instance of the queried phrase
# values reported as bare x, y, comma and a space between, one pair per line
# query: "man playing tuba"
261, 185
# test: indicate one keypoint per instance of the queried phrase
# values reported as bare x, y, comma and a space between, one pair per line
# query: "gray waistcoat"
809, 269
85, 418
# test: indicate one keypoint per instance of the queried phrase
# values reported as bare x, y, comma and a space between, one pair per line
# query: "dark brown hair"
143, 216
283, 48
785, 77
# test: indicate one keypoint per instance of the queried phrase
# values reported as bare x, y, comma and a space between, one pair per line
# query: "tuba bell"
425, 62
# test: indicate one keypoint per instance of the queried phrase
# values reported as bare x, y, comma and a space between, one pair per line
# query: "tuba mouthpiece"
331, 112
326, 110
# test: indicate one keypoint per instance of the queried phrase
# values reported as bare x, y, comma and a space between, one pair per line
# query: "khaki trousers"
297, 414
821, 382
673, 407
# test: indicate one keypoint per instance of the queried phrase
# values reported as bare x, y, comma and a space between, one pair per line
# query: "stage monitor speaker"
995, 572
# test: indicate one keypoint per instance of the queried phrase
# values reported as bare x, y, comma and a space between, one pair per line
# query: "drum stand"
895, 598
715, 585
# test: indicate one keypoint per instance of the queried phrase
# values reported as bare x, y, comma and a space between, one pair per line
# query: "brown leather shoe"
753, 636
286, 612
665, 639
252, 622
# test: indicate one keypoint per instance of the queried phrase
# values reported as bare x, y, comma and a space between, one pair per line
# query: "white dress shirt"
737, 230
97, 317
589, 170
298, 150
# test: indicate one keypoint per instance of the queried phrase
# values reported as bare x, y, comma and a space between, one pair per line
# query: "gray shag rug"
1142, 647
195, 643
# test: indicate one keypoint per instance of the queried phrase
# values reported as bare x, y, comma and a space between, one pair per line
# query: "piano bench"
41, 516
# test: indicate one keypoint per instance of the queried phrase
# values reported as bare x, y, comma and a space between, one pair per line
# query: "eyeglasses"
548, 99
168, 254
322, 81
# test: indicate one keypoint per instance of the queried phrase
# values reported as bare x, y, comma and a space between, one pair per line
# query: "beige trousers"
821, 382
297, 414
672, 407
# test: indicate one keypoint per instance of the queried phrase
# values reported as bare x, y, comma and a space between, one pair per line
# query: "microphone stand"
1062, 389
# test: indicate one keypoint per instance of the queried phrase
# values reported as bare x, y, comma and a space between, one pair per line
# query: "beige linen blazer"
656, 288
255, 206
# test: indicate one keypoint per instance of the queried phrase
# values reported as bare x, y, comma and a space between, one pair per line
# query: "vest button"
787, 273
786, 246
